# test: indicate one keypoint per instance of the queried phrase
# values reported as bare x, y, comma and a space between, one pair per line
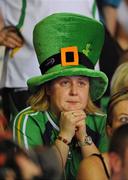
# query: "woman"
61, 111
97, 166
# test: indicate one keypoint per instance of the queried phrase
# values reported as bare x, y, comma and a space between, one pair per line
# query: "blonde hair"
40, 102
114, 100
119, 79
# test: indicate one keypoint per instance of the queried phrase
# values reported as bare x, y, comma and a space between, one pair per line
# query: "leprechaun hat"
69, 44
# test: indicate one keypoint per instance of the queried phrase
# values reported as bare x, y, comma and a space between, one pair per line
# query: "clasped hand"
72, 123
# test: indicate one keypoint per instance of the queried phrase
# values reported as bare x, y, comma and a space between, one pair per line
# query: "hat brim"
98, 80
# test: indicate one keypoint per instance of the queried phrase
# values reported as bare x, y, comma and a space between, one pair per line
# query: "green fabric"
104, 103
98, 123
67, 29
63, 30
22, 16
31, 126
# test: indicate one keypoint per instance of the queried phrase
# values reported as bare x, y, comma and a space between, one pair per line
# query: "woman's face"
120, 114
68, 93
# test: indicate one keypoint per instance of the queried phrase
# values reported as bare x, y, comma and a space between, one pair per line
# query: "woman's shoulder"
98, 115
92, 168
29, 113
29, 117
97, 119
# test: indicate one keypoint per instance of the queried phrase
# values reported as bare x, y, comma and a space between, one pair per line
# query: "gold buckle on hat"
72, 49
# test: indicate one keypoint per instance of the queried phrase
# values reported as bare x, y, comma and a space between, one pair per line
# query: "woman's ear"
109, 130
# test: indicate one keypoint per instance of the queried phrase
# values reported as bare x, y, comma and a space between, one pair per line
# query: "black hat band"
56, 59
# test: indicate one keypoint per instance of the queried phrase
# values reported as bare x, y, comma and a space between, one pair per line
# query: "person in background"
17, 21
108, 14
122, 24
118, 154
111, 51
16, 163
19, 62
116, 111
62, 112
97, 165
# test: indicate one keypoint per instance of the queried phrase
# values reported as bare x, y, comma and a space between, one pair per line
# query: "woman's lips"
72, 102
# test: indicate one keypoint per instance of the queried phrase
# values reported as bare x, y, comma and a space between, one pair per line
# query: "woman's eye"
65, 83
124, 119
82, 83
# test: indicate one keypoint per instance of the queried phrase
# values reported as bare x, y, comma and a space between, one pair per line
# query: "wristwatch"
87, 141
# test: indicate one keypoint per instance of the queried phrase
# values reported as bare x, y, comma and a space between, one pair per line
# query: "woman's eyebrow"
126, 114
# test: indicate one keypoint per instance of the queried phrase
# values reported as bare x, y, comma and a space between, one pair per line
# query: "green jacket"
35, 128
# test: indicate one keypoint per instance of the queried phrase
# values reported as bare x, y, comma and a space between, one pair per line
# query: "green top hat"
69, 44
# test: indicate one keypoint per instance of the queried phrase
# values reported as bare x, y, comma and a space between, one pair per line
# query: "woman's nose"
73, 89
